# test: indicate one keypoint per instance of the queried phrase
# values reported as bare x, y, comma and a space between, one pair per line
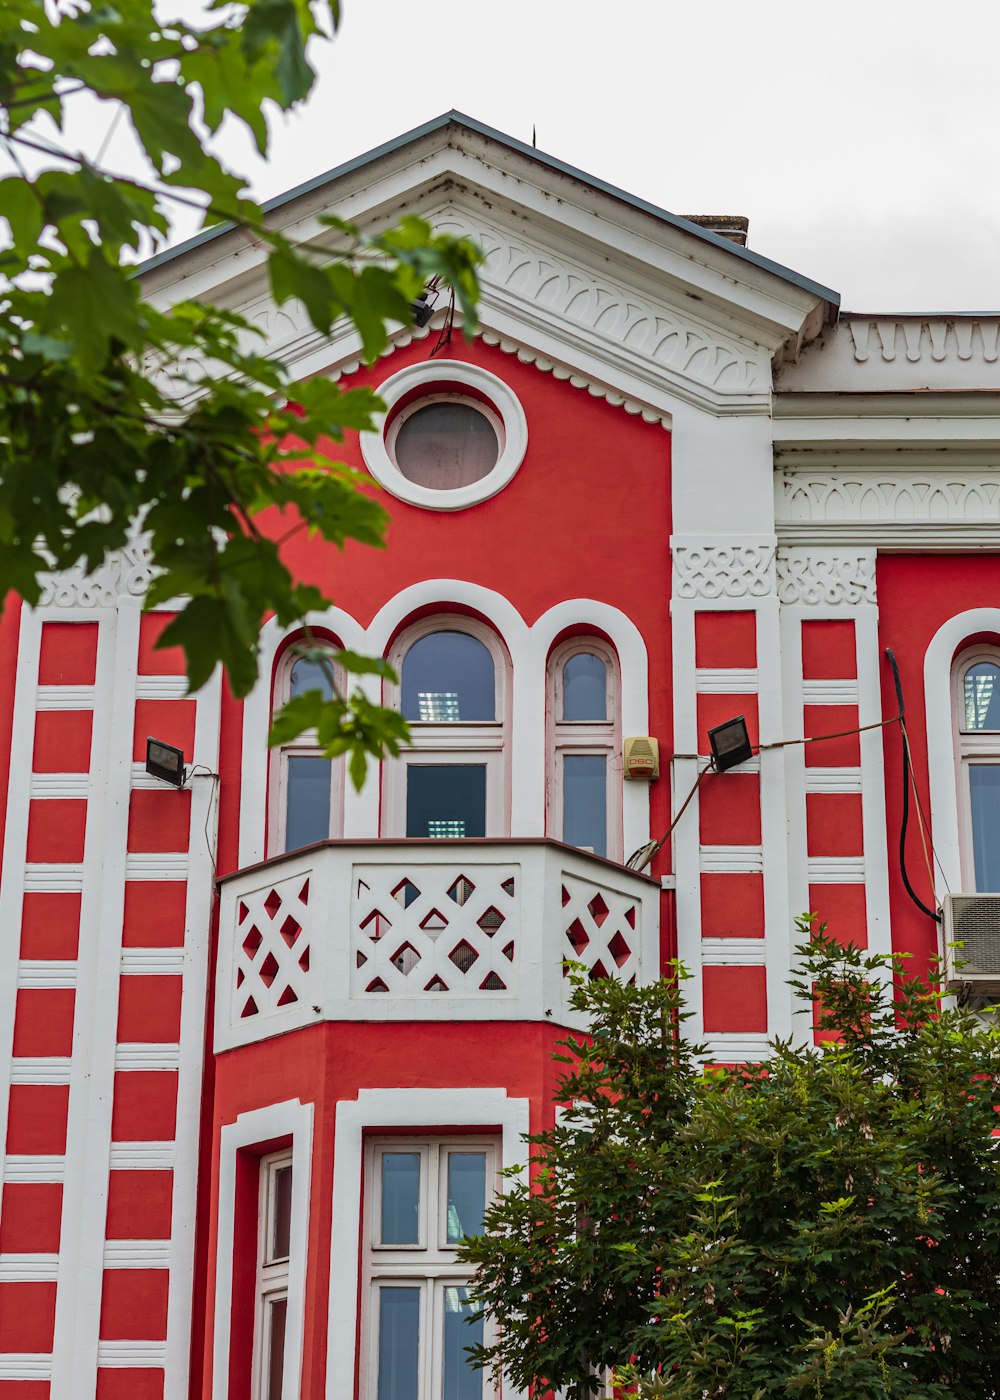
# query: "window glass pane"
466, 1194
444, 445
982, 697
461, 1382
276, 1312
398, 1343
448, 676
400, 1198
984, 792
446, 799
307, 798
585, 688
585, 803
281, 1213
309, 675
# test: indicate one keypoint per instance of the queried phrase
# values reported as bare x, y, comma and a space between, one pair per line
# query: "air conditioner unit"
973, 920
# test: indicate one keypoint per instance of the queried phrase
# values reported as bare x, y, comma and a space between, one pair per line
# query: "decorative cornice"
899, 353
937, 338
818, 577
124, 574
723, 570
923, 508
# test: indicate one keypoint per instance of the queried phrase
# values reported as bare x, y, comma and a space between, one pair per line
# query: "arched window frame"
972, 747
584, 737
306, 745
452, 741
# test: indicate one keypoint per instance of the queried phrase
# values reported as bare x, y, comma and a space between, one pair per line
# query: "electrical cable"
907, 773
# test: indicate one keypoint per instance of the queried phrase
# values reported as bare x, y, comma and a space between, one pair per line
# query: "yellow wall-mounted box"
642, 759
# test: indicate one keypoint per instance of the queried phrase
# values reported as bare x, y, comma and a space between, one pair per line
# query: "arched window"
452, 691
977, 717
584, 788
306, 789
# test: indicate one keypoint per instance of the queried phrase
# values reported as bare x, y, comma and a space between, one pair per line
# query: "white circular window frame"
445, 379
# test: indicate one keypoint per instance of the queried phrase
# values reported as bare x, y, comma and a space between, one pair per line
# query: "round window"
454, 435
444, 443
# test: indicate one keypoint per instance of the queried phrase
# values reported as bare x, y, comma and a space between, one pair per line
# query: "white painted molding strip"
65, 697
141, 1355
29, 1268
732, 860
44, 785
843, 692
153, 962
41, 1069
52, 879
48, 972
719, 680
161, 688
733, 1049
722, 952
146, 1055
34, 1170
156, 865
142, 1156
833, 779
136, 1254
25, 1366
836, 870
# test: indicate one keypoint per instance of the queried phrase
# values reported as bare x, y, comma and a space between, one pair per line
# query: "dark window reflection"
448, 676
446, 799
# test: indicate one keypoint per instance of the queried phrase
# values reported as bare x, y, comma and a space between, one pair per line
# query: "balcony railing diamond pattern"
603, 929
432, 928
272, 949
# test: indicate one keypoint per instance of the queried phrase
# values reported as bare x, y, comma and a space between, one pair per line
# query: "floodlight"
730, 744
166, 762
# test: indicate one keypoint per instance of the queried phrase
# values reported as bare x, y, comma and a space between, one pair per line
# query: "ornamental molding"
936, 338
929, 509
826, 578
901, 353
125, 573
724, 570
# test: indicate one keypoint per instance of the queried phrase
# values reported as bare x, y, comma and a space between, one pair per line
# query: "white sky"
861, 137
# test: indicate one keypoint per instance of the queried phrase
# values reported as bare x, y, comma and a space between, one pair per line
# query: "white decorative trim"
50, 879
721, 680
836, 870
29, 1268
43, 1069
65, 697
140, 1355
47, 785
722, 952
832, 578
734, 1049
162, 688
715, 570
732, 860
938, 338
157, 865
25, 1366
46, 973
422, 1109
426, 375
563, 372
125, 573
142, 1156
942, 759
136, 1254
872, 505
32, 1169
147, 1056
152, 962
290, 1119
826, 692
833, 779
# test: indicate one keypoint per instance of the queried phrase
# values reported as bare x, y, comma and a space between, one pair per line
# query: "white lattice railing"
439, 930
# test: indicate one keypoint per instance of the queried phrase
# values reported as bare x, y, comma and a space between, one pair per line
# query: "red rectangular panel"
27, 1316
130, 1383
725, 639
169, 720
43, 1022
833, 824
62, 741
729, 809
68, 654
735, 1000
139, 1205
56, 829
145, 1106
829, 650
149, 1009
153, 660
828, 752
844, 909
30, 1217
50, 925
134, 1305
732, 906
160, 820
37, 1119
154, 913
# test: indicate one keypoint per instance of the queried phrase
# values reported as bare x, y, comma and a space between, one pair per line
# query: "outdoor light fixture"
165, 762
730, 744
423, 308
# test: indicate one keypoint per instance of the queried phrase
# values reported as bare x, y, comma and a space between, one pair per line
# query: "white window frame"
583, 737
272, 1274
306, 745
430, 1266
483, 742
978, 746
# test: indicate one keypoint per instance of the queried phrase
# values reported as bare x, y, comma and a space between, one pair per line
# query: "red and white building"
666, 484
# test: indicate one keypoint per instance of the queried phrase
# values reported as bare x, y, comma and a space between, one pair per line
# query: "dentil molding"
826, 577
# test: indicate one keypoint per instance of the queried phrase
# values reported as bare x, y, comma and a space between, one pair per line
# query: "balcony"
424, 931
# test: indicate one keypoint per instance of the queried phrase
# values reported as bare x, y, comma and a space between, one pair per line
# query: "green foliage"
114, 410
824, 1225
